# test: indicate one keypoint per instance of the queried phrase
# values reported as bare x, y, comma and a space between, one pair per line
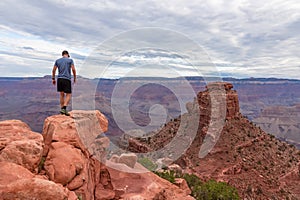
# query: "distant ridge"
32, 99
193, 78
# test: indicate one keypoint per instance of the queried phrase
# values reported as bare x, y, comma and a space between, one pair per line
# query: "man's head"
65, 53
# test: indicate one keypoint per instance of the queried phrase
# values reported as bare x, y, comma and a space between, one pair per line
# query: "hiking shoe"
64, 112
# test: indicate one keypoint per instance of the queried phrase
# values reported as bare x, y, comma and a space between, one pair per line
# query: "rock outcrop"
61, 163
242, 155
35, 188
18, 144
240, 151
21, 154
69, 150
139, 183
218, 95
67, 161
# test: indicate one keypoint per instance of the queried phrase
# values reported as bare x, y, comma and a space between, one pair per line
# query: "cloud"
242, 37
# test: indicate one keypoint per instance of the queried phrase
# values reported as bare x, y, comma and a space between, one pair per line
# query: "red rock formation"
254, 162
11, 172
219, 95
69, 139
18, 144
35, 188
20, 154
63, 163
67, 163
139, 183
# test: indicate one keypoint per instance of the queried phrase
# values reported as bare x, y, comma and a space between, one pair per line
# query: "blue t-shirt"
64, 67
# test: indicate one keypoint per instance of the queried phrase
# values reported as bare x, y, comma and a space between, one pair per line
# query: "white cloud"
243, 37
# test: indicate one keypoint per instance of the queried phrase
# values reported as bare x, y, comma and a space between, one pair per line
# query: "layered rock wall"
218, 101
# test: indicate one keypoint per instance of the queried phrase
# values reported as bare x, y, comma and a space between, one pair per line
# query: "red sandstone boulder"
20, 155
33, 188
11, 172
72, 145
17, 182
64, 162
18, 144
139, 183
80, 130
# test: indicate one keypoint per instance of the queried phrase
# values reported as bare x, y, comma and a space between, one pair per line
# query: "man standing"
64, 65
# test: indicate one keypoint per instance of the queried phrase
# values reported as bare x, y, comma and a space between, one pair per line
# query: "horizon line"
147, 77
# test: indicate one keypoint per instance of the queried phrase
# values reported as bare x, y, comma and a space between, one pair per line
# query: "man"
64, 65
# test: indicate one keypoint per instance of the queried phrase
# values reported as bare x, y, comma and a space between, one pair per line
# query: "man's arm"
74, 72
53, 74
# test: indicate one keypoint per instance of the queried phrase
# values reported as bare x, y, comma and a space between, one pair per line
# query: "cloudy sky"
239, 38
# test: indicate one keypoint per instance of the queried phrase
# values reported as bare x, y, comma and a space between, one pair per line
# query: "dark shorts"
64, 85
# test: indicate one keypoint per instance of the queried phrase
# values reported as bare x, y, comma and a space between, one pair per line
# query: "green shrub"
192, 180
168, 175
194, 183
211, 190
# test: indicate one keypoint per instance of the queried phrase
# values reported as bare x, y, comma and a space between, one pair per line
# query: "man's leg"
65, 96
67, 100
62, 99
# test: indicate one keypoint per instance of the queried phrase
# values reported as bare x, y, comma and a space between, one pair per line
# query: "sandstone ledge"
64, 162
